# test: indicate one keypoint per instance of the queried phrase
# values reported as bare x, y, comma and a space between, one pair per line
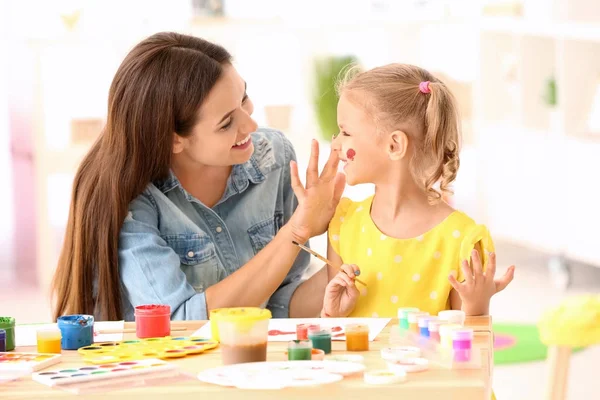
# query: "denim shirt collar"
241, 175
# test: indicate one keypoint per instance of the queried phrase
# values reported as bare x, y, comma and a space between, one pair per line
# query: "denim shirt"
172, 247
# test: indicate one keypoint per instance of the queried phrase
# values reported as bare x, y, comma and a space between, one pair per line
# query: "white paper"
25, 335
288, 327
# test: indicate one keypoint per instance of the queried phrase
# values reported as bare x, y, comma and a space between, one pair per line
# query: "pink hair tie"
424, 87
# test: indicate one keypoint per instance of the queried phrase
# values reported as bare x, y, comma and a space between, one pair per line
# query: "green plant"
327, 71
550, 95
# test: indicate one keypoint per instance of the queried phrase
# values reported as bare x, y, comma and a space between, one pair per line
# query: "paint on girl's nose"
350, 154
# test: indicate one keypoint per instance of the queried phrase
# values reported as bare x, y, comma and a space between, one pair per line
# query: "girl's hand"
479, 287
341, 293
318, 201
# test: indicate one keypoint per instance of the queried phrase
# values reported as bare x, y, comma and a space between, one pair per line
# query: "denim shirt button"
191, 254
219, 229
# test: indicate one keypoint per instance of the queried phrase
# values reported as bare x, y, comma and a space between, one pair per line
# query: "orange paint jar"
357, 337
48, 341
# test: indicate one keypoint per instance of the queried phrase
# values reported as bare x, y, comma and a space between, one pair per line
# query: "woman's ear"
398, 144
178, 143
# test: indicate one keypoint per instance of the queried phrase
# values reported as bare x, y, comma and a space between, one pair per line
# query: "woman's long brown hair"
157, 91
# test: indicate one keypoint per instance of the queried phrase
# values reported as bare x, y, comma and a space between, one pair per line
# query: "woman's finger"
330, 169
338, 188
312, 172
507, 278
297, 186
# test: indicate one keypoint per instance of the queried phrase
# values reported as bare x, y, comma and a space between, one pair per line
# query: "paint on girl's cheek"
350, 154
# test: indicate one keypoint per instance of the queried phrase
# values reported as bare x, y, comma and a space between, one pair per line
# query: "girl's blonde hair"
430, 119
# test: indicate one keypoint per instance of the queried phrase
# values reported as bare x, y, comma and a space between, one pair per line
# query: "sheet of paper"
283, 330
25, 335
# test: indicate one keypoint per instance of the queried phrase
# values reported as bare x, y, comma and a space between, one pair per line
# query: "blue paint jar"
2, 340
76, 331
424, 325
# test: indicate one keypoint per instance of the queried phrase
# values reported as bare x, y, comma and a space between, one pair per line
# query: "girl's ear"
398, 144
178, 143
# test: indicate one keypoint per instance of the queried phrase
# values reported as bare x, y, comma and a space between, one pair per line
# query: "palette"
16, 361
279, 375
139, 349
74, 375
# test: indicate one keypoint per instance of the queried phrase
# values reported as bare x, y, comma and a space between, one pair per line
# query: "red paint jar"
152, 320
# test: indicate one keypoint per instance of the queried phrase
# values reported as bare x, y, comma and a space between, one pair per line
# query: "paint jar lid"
324, 332
7, 322
310, 327
384, 377
434, 325
153, 310
414, 316
462, 334
424, 321
357, 328
446, 329
2, 333
299, 344
75, 321
403, 312
453, 316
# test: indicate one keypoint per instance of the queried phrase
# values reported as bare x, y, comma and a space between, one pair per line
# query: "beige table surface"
434, 384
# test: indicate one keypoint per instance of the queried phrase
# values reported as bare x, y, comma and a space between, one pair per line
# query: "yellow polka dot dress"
404, 272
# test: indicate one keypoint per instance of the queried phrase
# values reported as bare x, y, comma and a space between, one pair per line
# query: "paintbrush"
132, 330
326, 261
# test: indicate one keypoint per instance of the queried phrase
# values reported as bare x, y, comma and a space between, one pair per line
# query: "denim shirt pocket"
263, 232
198, 258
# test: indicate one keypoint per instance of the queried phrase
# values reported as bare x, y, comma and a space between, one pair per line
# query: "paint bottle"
321, 340
2, 340
413, 324
357, 337
152, 321
8, 324
453, 316
76, 331
403, 316
446, 335
462, 341
48, 341
423, 323
302, 330
299, 350
434, 329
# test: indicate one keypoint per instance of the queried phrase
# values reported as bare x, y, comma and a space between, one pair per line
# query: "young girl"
399, 129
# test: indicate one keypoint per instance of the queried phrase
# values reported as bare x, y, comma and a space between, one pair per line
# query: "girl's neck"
403, 210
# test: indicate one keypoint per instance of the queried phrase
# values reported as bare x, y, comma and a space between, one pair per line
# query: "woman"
182, 201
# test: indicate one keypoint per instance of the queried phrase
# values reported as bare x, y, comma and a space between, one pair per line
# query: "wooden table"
434, 384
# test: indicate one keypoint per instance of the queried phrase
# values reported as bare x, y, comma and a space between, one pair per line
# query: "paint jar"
243, 334
152, 321
413, 317
434, 329
423, 323
2, 340
299, 350
357, 337
8, 324
302, 330
76, 330
48, 341
446, 334
462, 341
321, 340
214, 323
453, 316
403, 316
